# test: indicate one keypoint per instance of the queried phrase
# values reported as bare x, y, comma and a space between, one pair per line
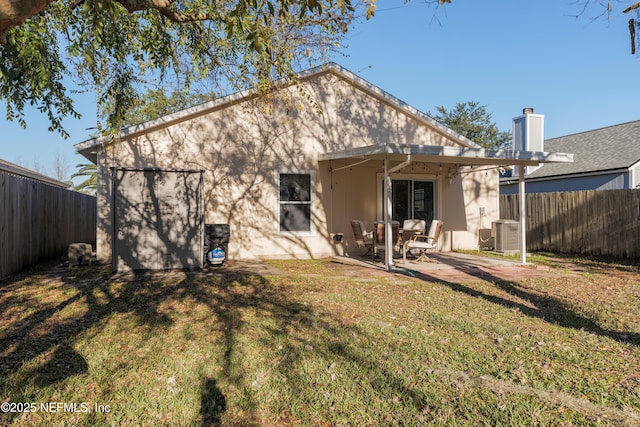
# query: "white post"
388, 232
523, 215
388, 210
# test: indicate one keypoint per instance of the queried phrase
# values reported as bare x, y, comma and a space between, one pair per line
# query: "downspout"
388, 232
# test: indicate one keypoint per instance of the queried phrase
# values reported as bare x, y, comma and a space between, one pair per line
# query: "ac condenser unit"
507, 235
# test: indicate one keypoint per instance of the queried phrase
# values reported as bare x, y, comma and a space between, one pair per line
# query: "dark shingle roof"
613, 147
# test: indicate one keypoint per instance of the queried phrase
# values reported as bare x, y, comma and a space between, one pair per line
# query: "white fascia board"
88, 149
459, 155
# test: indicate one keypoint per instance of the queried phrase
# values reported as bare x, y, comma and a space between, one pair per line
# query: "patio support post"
523, 215
388, 211
388, 232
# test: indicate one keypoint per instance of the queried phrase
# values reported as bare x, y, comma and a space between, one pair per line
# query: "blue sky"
505, 54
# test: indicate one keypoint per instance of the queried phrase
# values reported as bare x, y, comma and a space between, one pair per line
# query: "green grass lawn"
322, 344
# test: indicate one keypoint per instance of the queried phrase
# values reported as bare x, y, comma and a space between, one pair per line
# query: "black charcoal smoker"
216, 243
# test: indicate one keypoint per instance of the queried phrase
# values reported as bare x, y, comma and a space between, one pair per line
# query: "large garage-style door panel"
157, 219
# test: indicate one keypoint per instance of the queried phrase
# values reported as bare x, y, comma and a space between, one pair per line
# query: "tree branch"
163, 6
632, 33
15, 12
632, 7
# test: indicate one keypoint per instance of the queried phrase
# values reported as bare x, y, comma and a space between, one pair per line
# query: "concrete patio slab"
461, 267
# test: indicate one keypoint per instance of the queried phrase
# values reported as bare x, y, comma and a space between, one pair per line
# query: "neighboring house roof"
87, 148
611, 148
14, 169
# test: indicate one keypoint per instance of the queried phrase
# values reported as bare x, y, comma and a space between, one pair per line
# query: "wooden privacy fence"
598, 222
38, 221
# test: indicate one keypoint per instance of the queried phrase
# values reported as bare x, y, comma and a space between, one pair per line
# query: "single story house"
288, 174
604, 159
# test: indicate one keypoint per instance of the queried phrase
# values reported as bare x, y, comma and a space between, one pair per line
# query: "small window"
295, 202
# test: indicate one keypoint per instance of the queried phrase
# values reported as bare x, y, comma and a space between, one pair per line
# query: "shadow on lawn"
213, 403
594, 264
41, 343
549, 309
37, 350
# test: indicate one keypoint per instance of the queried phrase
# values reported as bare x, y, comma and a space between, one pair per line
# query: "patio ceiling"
445, 154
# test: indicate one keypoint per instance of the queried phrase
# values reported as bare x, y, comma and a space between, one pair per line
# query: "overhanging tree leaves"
152, 105
120, 48
156, 103
473, 121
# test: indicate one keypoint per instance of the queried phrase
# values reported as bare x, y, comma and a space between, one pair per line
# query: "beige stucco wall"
243, 146
356, 194
466, 194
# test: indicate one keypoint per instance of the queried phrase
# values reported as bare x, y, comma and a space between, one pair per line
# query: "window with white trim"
295, 202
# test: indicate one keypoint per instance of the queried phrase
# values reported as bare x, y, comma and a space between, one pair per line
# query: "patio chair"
379, 237
411, 227
363, 239
425, 243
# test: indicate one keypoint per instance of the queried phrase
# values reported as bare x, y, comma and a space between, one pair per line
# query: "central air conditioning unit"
507, 235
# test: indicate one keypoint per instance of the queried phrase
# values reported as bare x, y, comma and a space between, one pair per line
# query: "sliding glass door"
401, 199
412, 199
423, 200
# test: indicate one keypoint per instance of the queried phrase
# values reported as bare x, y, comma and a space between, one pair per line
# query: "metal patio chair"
426, 243
363, 238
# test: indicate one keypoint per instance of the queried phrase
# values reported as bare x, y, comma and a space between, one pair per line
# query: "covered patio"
446, 163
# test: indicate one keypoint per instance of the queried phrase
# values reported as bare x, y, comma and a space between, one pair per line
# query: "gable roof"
88, 148
610, 148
